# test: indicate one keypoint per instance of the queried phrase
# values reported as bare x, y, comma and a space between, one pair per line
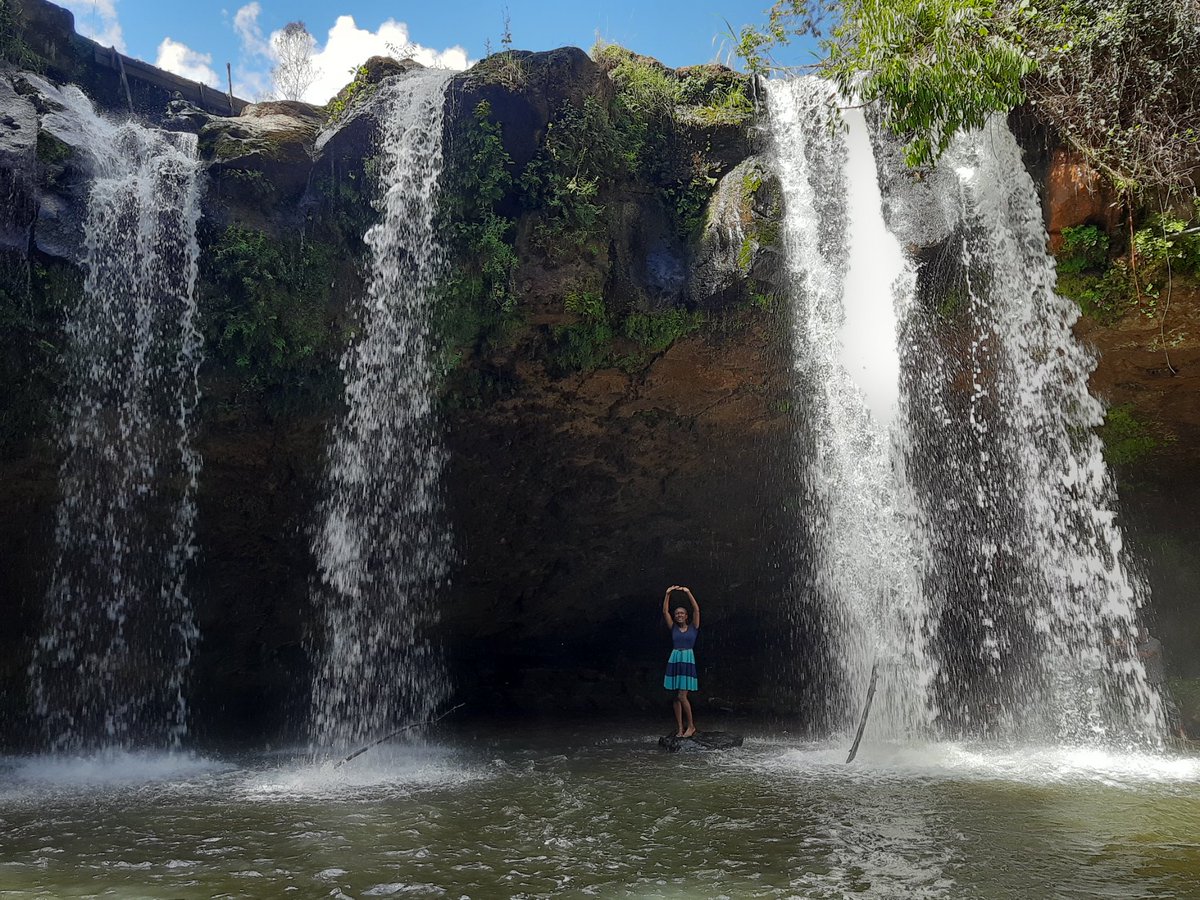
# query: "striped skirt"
681, 671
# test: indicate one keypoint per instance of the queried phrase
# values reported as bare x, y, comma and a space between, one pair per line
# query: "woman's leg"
678, 714
687, 710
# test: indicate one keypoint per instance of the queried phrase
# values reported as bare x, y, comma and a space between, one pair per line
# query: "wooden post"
120, 67
862, 723
229, 75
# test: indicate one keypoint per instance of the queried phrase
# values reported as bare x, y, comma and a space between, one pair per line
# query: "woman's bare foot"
679, 734
689, 732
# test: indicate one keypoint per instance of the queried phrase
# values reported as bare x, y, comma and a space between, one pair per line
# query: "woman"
681, 666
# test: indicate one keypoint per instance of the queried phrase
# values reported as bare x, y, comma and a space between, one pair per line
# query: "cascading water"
1024, 567
383, 549
866, 573
973, 551
109, 669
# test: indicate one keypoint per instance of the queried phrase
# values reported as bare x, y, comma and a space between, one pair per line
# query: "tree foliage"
294, 71
1115, 77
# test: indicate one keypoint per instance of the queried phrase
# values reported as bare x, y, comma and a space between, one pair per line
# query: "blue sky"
197, 38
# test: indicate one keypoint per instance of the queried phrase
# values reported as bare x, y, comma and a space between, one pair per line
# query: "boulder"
274, 140
700, 741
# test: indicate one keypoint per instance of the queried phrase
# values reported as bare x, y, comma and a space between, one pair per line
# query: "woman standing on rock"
681, 665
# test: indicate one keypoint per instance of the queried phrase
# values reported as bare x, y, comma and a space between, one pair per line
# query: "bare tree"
294, 71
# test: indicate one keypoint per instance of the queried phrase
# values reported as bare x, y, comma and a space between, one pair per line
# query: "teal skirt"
681, 671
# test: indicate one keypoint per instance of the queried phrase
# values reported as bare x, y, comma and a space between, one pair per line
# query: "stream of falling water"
1025, 569
866, 573
973, 551
109, 669
383, 548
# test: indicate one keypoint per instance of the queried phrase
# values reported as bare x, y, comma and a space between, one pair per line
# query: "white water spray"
109, 669
383, 548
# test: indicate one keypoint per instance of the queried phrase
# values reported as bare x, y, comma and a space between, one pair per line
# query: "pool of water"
570, 814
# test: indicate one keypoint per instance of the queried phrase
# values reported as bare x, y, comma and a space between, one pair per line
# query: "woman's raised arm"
666, 605
695, 606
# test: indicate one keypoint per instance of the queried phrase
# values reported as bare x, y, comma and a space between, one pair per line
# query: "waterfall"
110, 666
866, 571
963, 518
382, 547
1025, 569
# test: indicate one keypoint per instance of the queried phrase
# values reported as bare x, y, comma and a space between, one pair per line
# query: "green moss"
51, 151
358, 88
658, 331
752, 182
1127, 441
266, 304
761, 301
745, 254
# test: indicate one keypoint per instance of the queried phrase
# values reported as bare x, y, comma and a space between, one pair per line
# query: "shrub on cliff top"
1115, 77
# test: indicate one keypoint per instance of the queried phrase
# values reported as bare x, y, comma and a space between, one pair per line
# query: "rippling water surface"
574, 815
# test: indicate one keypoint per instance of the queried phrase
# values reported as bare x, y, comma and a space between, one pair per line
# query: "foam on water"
382, 771
103, 771
957, 761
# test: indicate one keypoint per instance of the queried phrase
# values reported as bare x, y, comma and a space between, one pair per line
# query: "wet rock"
18, 166
182, 115
700, 741
274, 140
740, 241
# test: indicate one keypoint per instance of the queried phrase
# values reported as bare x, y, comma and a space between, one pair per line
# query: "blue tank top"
683, 640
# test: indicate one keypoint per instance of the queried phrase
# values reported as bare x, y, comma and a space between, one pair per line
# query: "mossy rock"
526, 102
276, 145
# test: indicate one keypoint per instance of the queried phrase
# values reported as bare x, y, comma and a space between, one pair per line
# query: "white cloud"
245, 23
186, 62
97, 19
346, 47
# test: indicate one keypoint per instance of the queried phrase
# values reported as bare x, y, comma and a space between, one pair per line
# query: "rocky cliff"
616, 391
